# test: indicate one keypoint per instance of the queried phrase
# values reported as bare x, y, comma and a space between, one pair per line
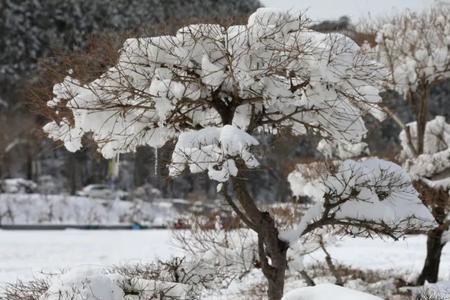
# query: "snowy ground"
406, 255
24, 254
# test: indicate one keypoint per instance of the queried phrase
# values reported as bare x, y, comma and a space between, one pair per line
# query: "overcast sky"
355, 9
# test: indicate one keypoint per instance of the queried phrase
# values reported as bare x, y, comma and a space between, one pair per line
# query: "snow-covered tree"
212, 90
415, 48
430, 171
35, 34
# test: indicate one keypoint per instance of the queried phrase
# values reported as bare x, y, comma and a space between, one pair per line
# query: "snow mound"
96, 284
327, 292
84, 284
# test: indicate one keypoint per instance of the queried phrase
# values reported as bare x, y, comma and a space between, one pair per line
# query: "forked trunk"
430, 271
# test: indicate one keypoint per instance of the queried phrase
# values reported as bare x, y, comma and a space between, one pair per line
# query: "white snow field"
25, 254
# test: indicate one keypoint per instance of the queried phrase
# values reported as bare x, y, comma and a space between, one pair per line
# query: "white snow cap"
214, 150
270, 74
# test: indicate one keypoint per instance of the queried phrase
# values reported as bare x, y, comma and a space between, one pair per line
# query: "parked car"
147, 192
18, 186
102, 191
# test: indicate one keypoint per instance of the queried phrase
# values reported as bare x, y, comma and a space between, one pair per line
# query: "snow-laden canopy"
433, 166
207, 82
415, 46
365, 195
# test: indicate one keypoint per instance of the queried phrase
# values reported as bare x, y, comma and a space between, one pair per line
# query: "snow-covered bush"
164, 280
85, 284
212, 89
226, 255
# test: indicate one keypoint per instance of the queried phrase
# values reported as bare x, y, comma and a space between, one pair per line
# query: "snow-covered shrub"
100, 284
84, 284
21, 290
177, 278
226, 255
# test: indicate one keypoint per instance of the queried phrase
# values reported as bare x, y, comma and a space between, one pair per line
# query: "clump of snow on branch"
213, 149
342, 149
373, 193
415, 46
271, 74
431, 166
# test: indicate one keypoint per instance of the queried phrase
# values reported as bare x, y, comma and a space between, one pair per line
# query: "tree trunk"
273, 257
437, 201
276, 287
272, 251
422, 118
430, 271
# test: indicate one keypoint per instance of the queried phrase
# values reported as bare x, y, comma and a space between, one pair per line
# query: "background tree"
213, 89
415, 47
36, 33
